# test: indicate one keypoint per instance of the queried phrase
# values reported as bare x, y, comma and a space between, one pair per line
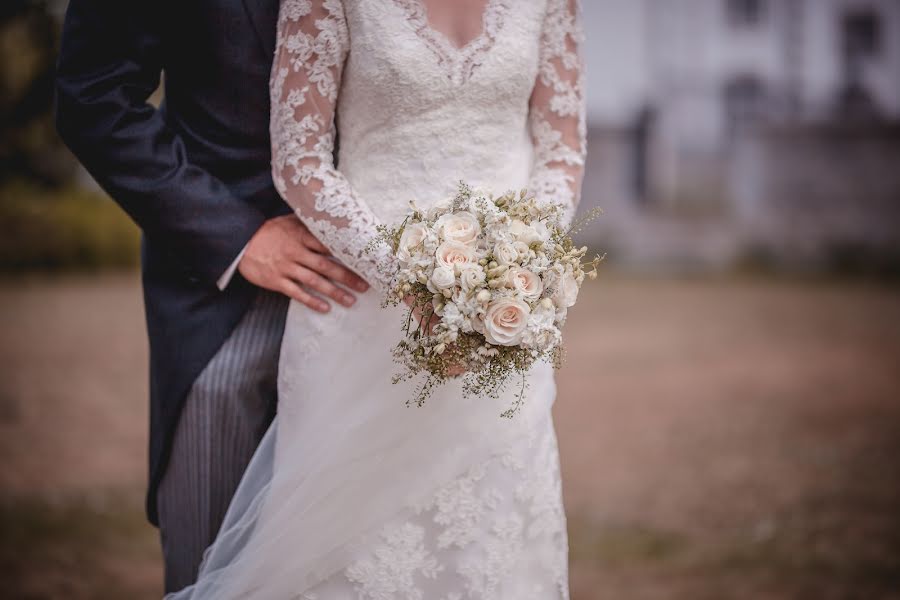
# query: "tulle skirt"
347, 465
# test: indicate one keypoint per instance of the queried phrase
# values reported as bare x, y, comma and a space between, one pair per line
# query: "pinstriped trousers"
226, 413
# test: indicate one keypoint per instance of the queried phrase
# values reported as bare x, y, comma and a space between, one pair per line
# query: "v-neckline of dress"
459, 62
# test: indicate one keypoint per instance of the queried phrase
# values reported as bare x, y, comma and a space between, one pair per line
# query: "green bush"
46, 229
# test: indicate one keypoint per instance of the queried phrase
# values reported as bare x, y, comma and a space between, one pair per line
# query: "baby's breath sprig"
579, 224
490, 279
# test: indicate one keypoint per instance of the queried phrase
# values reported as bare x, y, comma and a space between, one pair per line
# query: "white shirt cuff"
225, 279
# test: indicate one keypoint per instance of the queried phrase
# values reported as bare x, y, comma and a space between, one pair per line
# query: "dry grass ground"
727, 439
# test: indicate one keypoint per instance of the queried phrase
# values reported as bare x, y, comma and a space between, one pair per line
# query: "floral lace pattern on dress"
312, 44
417, 113
481, 536
459, 62
557, 116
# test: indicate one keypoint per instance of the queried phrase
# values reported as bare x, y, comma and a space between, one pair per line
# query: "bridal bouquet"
488, 281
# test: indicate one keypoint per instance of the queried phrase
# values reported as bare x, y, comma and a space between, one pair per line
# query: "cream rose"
413, 235
505, 253
525, 282
472, 277
542, 231
443, 278
522, 232
454, 255
521, 247
505, 320
460, 227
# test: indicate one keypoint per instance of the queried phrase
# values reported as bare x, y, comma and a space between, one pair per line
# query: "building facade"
692, 100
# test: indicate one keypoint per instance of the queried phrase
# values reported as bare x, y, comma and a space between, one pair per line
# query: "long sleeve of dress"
312, 44
557, 109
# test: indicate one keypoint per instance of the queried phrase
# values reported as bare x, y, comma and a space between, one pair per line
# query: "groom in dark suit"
221, 251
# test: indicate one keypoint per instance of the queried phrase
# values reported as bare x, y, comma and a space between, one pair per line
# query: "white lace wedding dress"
352, 494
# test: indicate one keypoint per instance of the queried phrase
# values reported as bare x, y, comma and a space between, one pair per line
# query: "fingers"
292, 290
332, 270
314, 255
311, 242
456, 370
320, 284
305, 236
426, 317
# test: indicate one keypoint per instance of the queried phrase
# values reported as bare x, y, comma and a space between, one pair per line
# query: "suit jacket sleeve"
110, 62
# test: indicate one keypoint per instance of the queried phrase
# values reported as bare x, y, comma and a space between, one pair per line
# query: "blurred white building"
692, 101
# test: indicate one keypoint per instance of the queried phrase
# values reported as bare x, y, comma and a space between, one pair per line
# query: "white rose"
522, 248
443, 278
542, 231
505, 253
523, 232
454, 255
413, 235
566, 291
472, 277
505, 320
460, 227
525, 282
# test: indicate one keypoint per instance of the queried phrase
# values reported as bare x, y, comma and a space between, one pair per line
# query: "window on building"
744, 98
745, 13
862, 39
862, 34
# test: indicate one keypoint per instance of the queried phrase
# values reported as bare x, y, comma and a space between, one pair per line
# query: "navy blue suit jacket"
193, 174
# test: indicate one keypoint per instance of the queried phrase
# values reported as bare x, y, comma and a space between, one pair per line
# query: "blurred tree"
49, 222
29, 146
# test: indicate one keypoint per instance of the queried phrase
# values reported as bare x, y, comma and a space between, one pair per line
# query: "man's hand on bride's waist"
285, 257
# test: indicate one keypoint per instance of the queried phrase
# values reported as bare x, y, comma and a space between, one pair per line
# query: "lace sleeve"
557, 109
312, 43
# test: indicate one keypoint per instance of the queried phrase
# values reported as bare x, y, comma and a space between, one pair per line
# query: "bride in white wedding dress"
352, 494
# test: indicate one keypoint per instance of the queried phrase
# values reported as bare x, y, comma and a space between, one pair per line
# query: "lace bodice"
416, 113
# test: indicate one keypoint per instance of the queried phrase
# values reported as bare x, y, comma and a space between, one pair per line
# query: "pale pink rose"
460, 227
525, 282
522, 248
472, 277
505, 320
505, 253
522, 232
455, 255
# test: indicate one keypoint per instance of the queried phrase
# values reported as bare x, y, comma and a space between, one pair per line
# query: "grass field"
720, 439
65, 229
